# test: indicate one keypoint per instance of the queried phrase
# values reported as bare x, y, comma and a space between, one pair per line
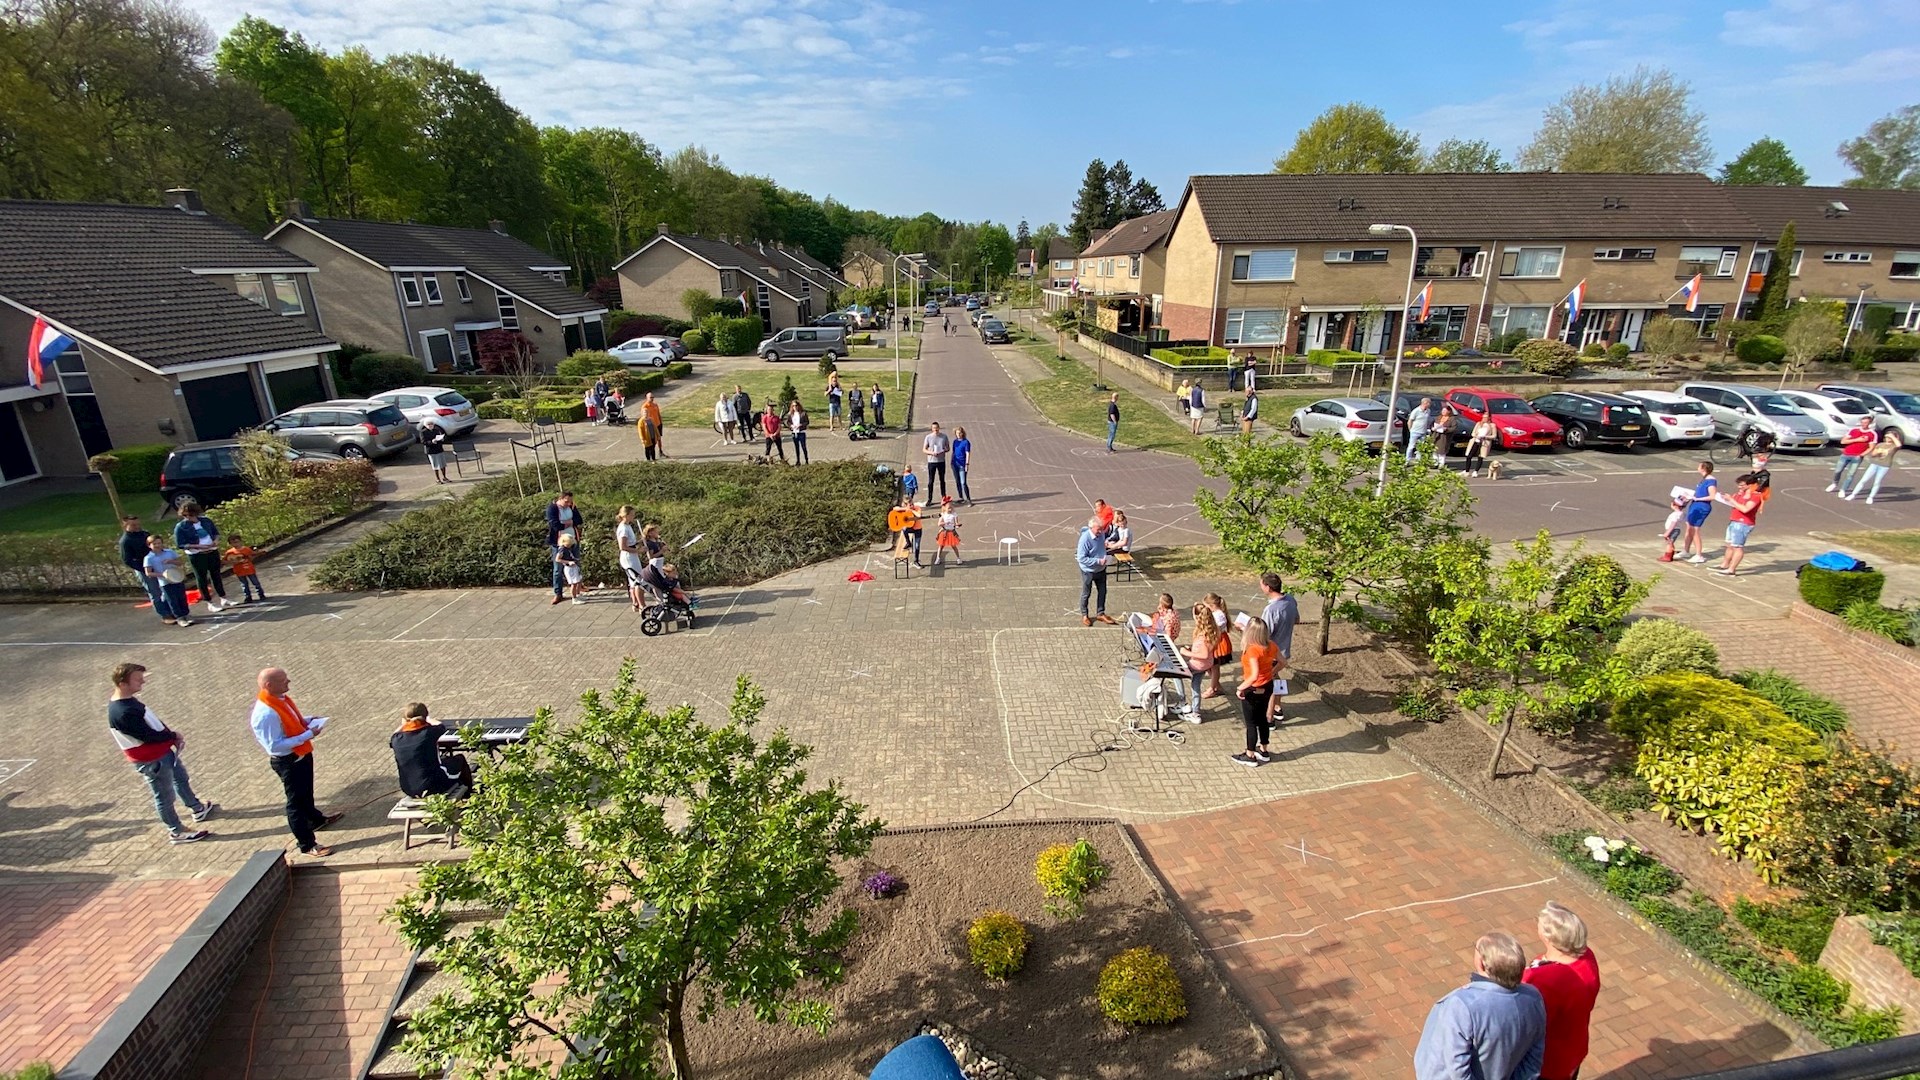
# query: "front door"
1630, 330
16, 457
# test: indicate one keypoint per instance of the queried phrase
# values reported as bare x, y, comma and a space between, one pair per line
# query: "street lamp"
894, 297
1859, 306
1400, 350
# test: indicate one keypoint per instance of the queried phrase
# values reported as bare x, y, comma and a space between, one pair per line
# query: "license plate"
1374, 444
1629, 427
1814, 442
1542, 440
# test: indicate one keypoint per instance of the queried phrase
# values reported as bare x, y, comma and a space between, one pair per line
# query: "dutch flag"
44, 346
1575, 297
1425, 299
1691, 290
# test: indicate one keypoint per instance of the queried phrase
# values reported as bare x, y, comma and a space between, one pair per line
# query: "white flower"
1600, 855
1616, 845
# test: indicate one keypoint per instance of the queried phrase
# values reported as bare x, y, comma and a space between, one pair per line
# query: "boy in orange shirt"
239, 559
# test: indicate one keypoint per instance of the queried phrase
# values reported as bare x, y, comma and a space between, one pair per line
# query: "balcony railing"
1867, 1061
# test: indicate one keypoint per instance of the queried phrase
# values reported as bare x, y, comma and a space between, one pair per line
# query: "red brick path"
72, 948
1342, 950
1874, 680
335, 967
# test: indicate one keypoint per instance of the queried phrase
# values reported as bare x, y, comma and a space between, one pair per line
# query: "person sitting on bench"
424, 769
1120, 536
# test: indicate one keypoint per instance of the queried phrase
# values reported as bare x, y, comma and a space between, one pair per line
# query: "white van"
805, 343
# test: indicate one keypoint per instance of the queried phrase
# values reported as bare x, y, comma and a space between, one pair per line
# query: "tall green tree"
1888, 154
1638, 123
1306, 510
1764, 162
1043, 239
483, 154
996, 251
1771, 308
1534, 633
374, 167
1351, 138
1465, 156
291, 74
1129, 196
647, 869
1023, 237
1092, 207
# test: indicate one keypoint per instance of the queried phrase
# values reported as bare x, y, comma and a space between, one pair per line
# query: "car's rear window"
1681, 408
451, 399
1371, 416
386, 416
993, 324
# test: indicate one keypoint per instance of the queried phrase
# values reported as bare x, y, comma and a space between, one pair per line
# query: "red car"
1521, 428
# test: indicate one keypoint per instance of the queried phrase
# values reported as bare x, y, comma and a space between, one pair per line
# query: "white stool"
1009, 549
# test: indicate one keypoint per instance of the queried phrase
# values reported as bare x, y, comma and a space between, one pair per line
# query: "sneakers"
184, 622
205, 812
1849, 497
579, 600
1833, 487
1869, 500
1262, 756
1248, 760
1698, 559
187, 836
171, 622
557, 599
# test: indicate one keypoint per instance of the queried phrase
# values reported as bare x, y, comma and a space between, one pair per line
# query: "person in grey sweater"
1493, 1028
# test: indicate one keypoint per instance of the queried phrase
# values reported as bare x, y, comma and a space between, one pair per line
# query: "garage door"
295, 387
221, 405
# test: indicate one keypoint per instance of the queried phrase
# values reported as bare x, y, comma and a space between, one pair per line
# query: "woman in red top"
1743, 506
1568, 978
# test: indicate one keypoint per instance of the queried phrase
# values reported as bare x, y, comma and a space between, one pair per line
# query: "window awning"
477, 325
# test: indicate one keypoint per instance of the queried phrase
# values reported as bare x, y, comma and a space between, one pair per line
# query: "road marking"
430, 616
13, 767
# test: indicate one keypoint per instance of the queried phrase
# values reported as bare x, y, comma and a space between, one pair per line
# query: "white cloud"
1812, 25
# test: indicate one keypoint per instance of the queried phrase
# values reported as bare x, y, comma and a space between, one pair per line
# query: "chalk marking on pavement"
435, 613
101, 644
13, 767
1385, 911
715, 625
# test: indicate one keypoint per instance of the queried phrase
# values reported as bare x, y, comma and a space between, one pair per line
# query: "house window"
1906, 264
1443, 324
1623, 254
286, 295
1532, 320
509, 315
763, 300
1133, 266
1706, 319
1707, 261
806, 290
410, 290
1531, 262
728, 283
1355, 255
1763, 261
1258, 326
1263, 264
1063, 265
557, 276
1106, 267
72, 369
1449, 262
460, 286
432, 285
1847, 257
250, 286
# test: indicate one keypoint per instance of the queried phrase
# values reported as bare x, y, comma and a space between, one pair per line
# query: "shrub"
1612, 581
1800, 927
859, 339
38, 1070
1761, 349
569, 411
139, 468
882, 886
679, 369
1900, 933
31, 563
1889, 623
1067, 872
1425, 701
1593, 350
1833, 590
1544, 356
1623, 869
1507, 342
699, 303
1657, 646
1618, 351
1191, 355
826, 367
587, 363
1823, 715
737, 337
501, 409
997, 942
695, 341
1139, 986
1618, 794
268, 517
636, 384
1852, 838
371, 373
1334, 357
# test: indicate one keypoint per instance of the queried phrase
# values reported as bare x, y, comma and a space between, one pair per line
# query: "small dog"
1495, 468
759, 459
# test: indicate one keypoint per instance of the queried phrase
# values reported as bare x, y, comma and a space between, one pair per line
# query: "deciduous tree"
647, 869
1668, 337
1638, 123
1888, 154
1465, 156
1813, 328
1765, 162
994, 246
1351, 138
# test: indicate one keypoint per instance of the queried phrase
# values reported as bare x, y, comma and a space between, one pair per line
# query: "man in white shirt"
936, 446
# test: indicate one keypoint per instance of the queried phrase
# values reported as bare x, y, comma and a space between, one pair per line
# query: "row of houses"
169, 324
1278, 264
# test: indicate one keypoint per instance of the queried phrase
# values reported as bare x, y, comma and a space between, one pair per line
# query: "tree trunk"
1326, 622
113, 496
677, 1034
1500, 744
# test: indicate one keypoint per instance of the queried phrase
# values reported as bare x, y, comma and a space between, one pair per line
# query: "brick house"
865, 270
1129, 261
184, 327
1848, 241
1057, 272
653, 278
1289, 264
429, 291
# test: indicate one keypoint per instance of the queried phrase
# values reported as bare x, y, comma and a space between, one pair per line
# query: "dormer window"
460, 286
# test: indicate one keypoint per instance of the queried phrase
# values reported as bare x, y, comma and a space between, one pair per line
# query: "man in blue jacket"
133, 554
1493, 1028
1091, 554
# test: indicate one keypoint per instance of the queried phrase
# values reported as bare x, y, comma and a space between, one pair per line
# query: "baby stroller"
612, 413
860, 429
662, 610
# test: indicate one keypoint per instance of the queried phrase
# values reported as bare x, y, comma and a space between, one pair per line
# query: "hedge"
1891, 354
1192, 355
679, 369
695, 341
375, 372
738, 337
1544, 356
587, 363
1335, 357
496, 537
1761, 349
139, 468
1833, 590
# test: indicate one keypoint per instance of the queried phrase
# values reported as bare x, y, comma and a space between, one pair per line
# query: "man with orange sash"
287, 736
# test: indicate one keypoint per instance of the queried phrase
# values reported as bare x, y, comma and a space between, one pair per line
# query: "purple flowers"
882, 885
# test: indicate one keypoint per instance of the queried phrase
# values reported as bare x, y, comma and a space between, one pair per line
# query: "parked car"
994, 332
208, 473
644, 352
1893, 410
1353, 419
932, 309
1838, 412
836, 318
1593, 418
1402, 408
1520, 426
951, 301
354, 428
804, 343
973, 303
864, 318
446, 407
1676, 418
1741, 412
981, 316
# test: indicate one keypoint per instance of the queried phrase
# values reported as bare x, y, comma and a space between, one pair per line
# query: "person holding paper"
287, 736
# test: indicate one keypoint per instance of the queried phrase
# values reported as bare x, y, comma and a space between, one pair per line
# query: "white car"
446, 407
1838, 411
1353, 419
1676, 417
644, 352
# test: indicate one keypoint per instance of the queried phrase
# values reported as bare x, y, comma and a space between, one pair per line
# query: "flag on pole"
745, 308
1691, 290
44, 346
1575, 297
1425, 300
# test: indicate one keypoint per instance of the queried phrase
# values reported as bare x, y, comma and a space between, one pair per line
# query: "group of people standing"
200, 552
1440, 431
1515, 1020
1265, 652
642, 559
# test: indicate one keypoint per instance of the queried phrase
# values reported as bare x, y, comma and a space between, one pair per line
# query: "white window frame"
460, 286
1620, 254
410, 290
729, 284
1720, 258
1133, 266
253, 288
430, 285
426, 350
1760, 265
1501, 321
1478, 267
1518, 253
285, 286
1291, 255
1857, 258
509, 315
1911, 258
1234, 331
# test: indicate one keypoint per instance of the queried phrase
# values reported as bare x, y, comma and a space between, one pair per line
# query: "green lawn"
1900, 545
86, 516
693, 407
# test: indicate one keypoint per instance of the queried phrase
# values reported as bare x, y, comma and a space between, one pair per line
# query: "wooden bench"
1126, 565
408, 812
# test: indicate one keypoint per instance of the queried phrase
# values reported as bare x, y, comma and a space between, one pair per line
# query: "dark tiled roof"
805, 258
1467, 206
1133, 236
728, 257
790, 265
1061, 247
1872, 216
499, 258
122, 276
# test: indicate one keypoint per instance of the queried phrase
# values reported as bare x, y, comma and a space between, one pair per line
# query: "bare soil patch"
909, 964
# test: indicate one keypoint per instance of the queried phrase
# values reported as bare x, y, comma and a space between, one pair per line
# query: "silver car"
1893, 410
349, 427
1353, 419
1742, 413
1837, 411
448, 408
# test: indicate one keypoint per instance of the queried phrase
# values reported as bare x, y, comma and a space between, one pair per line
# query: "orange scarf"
291, 722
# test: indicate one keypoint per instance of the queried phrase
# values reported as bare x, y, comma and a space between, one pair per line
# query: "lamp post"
894, 297
1859, 307
1399, 350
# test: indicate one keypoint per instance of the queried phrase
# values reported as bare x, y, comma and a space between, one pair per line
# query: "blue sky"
991, 109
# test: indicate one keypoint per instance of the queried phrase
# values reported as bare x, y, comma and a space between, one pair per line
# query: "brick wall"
156, 1032
1187, 322
1877, 976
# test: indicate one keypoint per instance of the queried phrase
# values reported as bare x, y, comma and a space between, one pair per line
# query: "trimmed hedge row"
1833, 590
1195, 355
139, 468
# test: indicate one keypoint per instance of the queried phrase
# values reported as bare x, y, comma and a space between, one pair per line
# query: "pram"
612, 413
860, 429
662, 610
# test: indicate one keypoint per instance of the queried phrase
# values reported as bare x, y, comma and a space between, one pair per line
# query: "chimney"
186, 199
298, 210
498, 226
661, 228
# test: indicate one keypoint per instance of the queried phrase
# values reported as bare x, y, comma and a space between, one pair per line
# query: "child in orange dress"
239, 559
949, 535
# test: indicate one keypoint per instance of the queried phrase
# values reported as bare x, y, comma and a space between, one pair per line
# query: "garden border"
1826, 620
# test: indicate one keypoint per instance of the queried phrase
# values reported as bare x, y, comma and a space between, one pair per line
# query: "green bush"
1067, 872
1761, 349
587, 363
997, 942
1803, 706
1612, 581
699, 303
1628, 873
1833, 590
1425, 701
139, 468
1335, 357
1800, 927
1618, 351
1900, 933
268, 517
1139, 986
39, 1070
1544, 356
500, 409
679, 369
695, 341
372, 373
1894, 354
737, 337
1657, 646
1507, 342
1593, 350
1889, 623
494, 537
826, 367
560, 412
1191, 356
1852, 837
1618, 794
